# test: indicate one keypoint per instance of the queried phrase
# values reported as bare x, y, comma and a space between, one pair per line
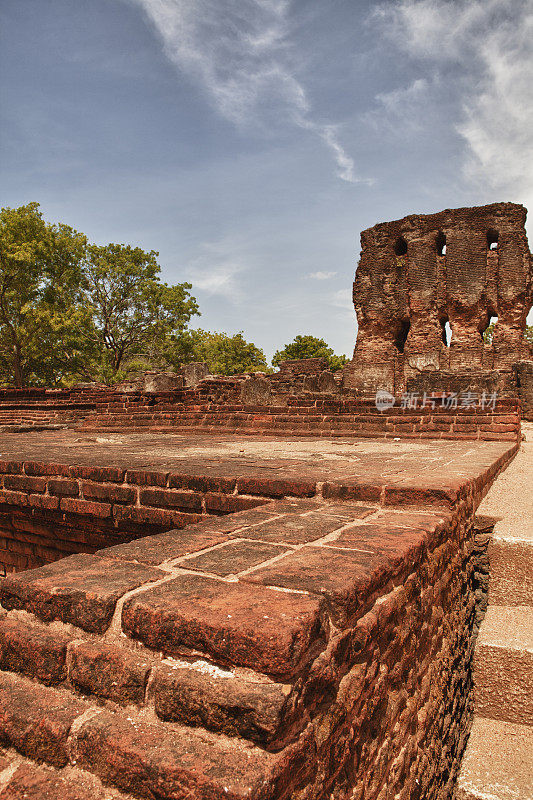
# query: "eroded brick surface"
165, 546
152, 761
269, 631
37, 720
81, 589
233, 557
219, 700
31, 648
109, 672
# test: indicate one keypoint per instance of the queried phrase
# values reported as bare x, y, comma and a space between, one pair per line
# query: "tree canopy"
132, 310
309, 347
43, 320
224, 354
71, 310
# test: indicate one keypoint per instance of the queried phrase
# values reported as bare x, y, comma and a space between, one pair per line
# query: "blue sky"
250, 141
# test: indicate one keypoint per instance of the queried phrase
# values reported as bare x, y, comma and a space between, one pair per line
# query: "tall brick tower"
422, 276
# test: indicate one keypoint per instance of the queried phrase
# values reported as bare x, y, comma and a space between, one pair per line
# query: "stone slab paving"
498, 763
401, 467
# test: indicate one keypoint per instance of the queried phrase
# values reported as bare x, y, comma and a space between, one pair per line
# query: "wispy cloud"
398, 110
216, 271
321, 276
241, 53
488, 46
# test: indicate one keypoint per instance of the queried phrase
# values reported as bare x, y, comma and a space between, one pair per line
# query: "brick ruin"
265, 587
420, 274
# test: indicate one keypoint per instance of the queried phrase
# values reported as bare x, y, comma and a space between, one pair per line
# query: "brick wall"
48, 511
318, 649
216, 407
314, 417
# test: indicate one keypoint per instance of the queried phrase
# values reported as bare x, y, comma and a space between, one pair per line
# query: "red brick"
202, 483
228, 504
152, 760
101, 474
276, 487
11, 467
87, 507
80, 589
107, 493
63, 488
44, 501
343, 577
41, 468
229, 704
24, 483
36, 720
294, 529
146, 478
352, 490
166, 546
109, 672
30, 782
13, 498
168, 498
234, 557
155, 516
31, 648
234, 623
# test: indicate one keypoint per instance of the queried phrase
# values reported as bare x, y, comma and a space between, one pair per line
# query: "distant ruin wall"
218, 405
419, 274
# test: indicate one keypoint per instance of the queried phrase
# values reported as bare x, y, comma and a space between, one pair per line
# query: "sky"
250, 141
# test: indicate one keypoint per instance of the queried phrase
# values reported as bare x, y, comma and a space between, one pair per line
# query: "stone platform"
305, 632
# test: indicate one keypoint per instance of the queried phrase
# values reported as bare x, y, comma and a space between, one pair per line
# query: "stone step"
21, 779
503, 665
235, 702
147, 759
511, 566
497, 762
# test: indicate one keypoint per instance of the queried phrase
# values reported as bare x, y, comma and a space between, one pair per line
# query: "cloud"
399, 109
240, 52
487, 48
216, 271
321, 276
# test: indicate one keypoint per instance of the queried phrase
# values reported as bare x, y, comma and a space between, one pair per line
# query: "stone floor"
498, 763
406, 465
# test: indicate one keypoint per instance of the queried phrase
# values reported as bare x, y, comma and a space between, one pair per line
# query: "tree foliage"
71, 310
133, 311
309, 347
224, 354
43, 321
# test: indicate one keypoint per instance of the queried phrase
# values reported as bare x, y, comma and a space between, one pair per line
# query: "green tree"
309, 347
488, 333
134, 312
225, 355
43, 323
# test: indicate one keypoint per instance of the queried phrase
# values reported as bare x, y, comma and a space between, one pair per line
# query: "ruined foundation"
265, 587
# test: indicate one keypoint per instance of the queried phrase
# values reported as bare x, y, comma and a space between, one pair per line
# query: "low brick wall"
308, 649
215, 407
311, 417
48, 511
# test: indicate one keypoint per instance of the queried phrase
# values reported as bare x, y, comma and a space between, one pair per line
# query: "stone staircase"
498, 763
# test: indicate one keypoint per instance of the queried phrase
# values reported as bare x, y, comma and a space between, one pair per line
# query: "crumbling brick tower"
460, 266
